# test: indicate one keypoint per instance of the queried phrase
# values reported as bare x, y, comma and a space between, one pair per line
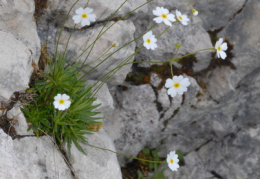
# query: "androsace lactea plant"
64, 103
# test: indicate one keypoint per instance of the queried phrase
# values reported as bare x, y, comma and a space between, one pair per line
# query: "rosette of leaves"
68, 126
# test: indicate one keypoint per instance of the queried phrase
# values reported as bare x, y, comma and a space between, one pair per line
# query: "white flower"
163, 15
61, 102
177, 85
84, 16
172, 160
182, 18
194, 12
221, 47
149, 40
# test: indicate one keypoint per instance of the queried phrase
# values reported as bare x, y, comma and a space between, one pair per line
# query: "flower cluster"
163, 15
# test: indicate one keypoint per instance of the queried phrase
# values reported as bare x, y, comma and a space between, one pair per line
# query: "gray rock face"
218, 13
21, 45
215, 123
230, 135
142, 116
98, 164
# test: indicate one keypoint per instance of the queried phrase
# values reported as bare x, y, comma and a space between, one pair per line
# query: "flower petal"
158, 20
218, 54
76, 19
171, 17
56, 104
219, 42
223, 55
80, 11
65, 97
88, 10
165, 11
224, 46
178, 13
67, 104
57, 97
85, 22
167, 22
92, 17
172, 92
169, 83
157, 11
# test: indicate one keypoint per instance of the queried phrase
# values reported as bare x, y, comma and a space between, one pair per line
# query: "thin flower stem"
176, 59
107, 76
69, 40
113, 71
86, 5
83, 68
117, 51
47, 99
171, 68
66, 18
99, 35
100, 32
170, 63
188, 4
151, 161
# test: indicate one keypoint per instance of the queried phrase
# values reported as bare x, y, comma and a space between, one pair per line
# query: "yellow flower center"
164, 16
84, 15
176, 85
171, 161
148, 41
180, 18
219, 48
61, 101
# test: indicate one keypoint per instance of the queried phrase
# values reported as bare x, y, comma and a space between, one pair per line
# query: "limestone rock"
16, 68
218, 14
99, 164
21, 45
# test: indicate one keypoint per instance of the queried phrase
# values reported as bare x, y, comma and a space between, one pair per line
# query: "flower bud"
194, 12
178, 45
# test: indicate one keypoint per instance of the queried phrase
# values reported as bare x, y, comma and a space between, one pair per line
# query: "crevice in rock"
205, 143
215, 174
165, 123
67, 161
238, 12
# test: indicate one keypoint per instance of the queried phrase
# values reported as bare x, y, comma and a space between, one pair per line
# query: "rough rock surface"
21, 45
215, 123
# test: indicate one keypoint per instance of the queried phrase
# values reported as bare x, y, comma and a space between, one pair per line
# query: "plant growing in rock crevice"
68, 125
63, 104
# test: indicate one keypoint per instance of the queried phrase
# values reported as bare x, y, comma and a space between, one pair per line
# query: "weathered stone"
16, 18
227, 133
218, 14
21, 45
136, 118
19, 121
31, 158
99, 164
16, 67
